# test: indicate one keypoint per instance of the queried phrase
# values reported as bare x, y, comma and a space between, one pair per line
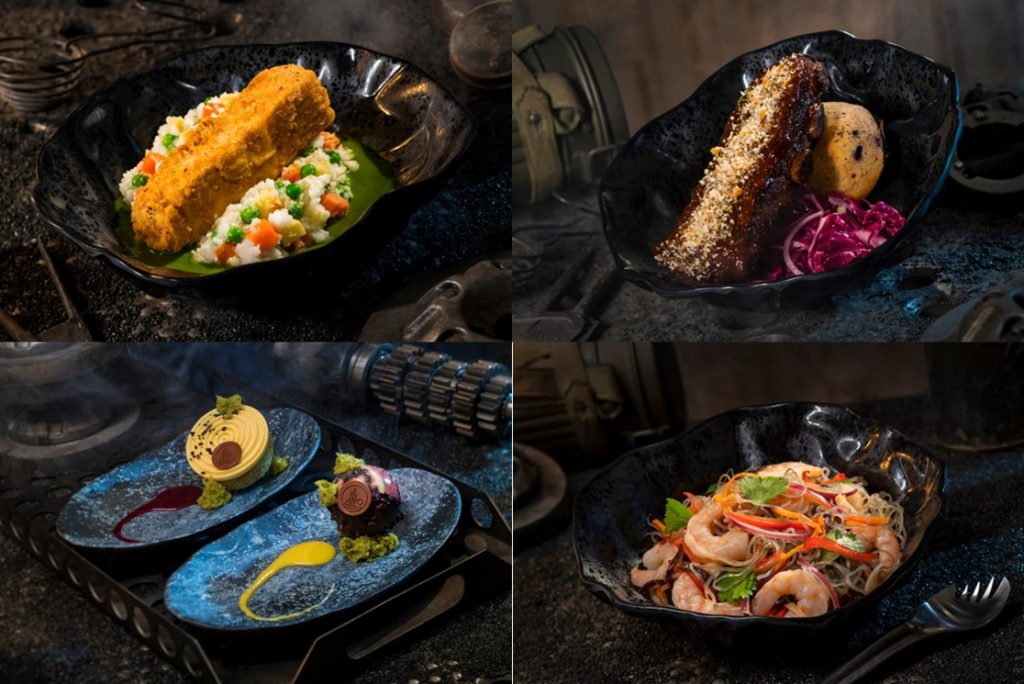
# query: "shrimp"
811, 596
792, 470
656, 560
883, 540
705, 545
687, 596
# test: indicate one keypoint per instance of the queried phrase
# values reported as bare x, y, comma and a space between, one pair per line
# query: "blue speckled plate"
205, 590
89, 517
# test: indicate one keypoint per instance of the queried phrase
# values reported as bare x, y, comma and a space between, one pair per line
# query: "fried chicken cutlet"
277, 115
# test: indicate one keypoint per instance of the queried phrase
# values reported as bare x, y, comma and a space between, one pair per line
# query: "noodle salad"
789, 540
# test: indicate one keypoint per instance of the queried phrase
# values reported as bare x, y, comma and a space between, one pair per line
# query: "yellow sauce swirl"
306, 554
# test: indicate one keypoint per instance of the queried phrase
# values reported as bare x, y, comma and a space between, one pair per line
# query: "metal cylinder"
568, 120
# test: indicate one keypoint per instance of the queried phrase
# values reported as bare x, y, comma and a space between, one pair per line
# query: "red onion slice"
821, 578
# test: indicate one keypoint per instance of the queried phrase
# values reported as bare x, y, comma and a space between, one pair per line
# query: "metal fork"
944, 612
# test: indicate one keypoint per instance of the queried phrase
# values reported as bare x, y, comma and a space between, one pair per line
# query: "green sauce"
372, 181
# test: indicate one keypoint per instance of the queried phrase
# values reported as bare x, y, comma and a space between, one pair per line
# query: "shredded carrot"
867, 520
788, 554
658, 524
660, 591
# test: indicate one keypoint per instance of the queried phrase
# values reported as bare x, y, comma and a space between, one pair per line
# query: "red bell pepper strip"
767, 523
835, 547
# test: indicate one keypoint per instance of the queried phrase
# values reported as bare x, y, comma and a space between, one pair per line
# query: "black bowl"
611, 512
391, 106
645, 189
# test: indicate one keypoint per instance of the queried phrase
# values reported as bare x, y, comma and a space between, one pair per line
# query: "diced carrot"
225, 252
330, 141
149, 162
212, 108
291, 173
264, 235
335, 204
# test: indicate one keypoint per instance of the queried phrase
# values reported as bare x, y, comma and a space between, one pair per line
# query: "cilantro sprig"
761, 490
733, 586
843, 538
677, 515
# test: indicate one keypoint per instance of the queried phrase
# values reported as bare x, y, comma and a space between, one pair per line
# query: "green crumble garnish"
214, 494
346, 462
366, 548
328, 492
278, 464
229, 406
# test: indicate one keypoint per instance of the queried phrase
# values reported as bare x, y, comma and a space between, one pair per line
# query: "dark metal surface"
964, 246
464, 218
564, 634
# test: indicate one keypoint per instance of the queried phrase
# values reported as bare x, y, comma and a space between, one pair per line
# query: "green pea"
278, 185
296, 211
307, 170
236, 234
334, 157
249, 214
170, 141
293, 191
139, 179
207, 99
308, 151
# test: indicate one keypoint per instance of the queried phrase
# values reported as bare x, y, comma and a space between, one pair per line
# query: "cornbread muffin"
230, 445
850, 154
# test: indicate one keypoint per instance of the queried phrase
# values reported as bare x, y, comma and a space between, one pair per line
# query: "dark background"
466, 219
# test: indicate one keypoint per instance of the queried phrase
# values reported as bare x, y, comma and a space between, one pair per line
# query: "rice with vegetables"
276, 216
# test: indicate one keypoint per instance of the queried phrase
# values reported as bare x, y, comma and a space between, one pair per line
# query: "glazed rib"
278, 114
763, 153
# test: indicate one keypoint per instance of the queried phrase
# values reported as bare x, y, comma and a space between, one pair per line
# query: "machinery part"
468, 306
387, 377
479, 48
568, 121
996, 316
417, 384
990, 155
495, 405
587, 402
539, 486
442, 389
467, 393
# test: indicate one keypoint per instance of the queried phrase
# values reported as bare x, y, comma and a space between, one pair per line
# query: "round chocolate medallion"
354, 497
227, 455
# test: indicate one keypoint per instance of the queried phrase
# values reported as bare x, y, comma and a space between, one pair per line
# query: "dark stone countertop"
563, 633
965, 245
466, 219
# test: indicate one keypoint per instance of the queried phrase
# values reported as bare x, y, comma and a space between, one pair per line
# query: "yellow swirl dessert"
231, 446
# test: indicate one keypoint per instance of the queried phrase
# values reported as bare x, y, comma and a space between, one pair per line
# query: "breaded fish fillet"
763, 155
277, 115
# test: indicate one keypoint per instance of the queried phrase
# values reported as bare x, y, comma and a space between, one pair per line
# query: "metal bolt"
534, 118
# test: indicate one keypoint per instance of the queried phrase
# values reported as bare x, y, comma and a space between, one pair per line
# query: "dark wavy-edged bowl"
645, 189
611, 512
390, 105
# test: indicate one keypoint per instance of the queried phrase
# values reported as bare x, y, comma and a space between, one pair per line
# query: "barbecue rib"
762, 156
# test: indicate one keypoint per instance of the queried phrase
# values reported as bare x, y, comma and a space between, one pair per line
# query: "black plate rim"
185, 278
761, 290
816, 623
